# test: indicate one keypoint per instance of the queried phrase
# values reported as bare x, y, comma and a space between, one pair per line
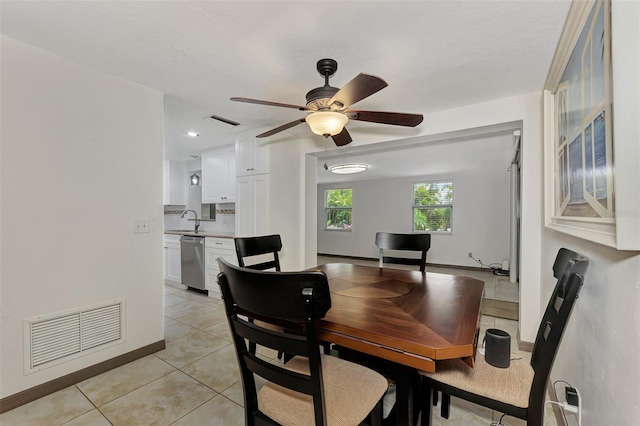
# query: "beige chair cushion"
351, 391
510, 385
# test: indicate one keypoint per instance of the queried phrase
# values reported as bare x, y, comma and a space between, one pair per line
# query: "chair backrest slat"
278, 375
407, 242
294, 343
254, 246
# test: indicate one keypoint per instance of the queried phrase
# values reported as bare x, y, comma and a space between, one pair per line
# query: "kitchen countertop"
216, 234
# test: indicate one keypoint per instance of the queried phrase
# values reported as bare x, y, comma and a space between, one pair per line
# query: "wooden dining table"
409, 318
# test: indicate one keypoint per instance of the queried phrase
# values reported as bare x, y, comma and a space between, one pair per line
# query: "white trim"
576, 19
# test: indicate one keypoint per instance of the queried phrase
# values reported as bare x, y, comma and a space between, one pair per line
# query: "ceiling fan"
329, 106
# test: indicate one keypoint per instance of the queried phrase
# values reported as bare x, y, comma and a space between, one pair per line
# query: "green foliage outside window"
338, 208
432, 206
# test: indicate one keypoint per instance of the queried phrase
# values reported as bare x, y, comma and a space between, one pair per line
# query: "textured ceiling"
435, 55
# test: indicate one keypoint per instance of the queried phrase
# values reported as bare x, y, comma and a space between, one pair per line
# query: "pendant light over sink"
195, 180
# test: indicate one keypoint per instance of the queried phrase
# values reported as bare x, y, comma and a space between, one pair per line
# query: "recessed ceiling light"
193, 134
348, 169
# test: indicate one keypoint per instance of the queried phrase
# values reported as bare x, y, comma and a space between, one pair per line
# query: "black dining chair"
247, 247
407, 242
518, 390
311, 388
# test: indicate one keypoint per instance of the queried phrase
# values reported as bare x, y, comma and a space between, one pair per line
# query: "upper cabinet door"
218, 176
174, 183
252, 155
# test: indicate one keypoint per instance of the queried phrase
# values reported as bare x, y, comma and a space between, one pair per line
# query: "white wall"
81, 158
287, 200
601, 347
480, 217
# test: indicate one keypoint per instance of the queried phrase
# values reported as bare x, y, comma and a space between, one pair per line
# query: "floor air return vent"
57, 338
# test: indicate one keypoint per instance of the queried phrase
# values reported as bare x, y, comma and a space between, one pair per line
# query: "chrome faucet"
197, 223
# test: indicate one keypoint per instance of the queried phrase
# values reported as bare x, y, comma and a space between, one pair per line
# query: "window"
432, 206
338, 209
583, 145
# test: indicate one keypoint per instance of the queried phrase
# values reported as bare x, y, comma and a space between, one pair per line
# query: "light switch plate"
140, 226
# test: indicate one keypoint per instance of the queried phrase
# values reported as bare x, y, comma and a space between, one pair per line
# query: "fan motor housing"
319, 97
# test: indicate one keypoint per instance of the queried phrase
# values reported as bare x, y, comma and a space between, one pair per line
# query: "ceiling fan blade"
269, 103
342, 138
281, 128
395, 118
360, 87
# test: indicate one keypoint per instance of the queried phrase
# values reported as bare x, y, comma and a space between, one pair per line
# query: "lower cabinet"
213, 249
172, 261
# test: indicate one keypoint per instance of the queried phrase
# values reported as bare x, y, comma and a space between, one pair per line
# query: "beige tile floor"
194, 381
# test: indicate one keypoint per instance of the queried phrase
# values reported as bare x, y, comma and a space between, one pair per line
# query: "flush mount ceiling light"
193, 134
195, 180
326, 123
348, 169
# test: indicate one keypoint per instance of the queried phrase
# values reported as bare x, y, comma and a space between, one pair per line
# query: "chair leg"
444, 408
376, 414
425, 416
435, 398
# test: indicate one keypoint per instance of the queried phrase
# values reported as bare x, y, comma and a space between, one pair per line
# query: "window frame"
327, 209
431, 206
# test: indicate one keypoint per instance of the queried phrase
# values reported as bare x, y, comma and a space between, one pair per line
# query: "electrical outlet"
470, 254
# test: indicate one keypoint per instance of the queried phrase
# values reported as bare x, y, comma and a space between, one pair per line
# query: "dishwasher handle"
192, 240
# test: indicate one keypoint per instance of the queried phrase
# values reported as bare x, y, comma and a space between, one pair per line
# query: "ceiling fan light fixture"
348, 169
326, 123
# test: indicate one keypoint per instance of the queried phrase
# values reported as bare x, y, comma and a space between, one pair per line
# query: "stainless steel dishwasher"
192, 259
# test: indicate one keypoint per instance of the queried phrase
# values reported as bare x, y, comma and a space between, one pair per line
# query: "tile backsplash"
225, 220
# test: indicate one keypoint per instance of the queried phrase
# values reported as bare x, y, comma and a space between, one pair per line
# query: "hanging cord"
555, 394
482, 419
499, 422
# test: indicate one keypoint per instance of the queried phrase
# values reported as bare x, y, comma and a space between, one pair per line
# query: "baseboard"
524, 345
439, 265
16, 400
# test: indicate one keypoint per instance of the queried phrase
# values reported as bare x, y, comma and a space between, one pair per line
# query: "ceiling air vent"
218, 119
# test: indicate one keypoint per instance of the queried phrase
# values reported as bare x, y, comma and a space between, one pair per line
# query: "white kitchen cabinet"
252, 205
252, 155
218, 175
172, 260
213, 249
174, 183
